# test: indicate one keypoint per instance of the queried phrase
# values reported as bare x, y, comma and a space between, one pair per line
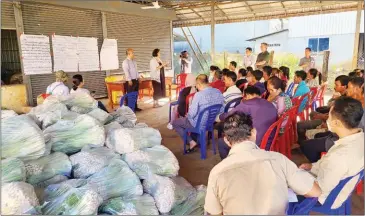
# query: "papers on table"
36, 54
109, 55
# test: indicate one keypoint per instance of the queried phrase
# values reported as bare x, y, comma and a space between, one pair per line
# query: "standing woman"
157, 72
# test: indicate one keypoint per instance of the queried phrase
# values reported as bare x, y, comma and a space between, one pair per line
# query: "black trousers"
132, 88
322, 142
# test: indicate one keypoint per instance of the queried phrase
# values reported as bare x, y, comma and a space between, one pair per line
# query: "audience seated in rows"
251, 181
346, 157
205, 97
281, 101
241, 78
232, 91
263, 114
256, 76
218, 81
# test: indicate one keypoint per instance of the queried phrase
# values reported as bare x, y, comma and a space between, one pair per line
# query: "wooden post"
19, 31
212, 33
326, 56
357, 35
105, 33
271, 60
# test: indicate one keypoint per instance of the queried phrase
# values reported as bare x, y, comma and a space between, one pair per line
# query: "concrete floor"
192, 168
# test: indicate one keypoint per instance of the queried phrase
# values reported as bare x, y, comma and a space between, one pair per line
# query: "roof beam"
220, 9
282, 4
197, 14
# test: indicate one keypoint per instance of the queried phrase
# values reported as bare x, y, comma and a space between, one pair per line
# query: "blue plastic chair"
289, 91
202, 127
232, 104
311, 204
131, 100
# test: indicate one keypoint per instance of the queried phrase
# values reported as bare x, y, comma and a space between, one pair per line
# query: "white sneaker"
169, 126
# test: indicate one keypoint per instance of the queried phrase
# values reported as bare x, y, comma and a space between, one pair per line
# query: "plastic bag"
141, 125
167, 192
100, 115
81, 101
112, 126
70, 136
156, 160
91, 160
128, 140
54, 180
21, 138
17, 198
123, 113
12, 169
116, 180
47, 167
138, 205
73, 197
7, 113
194, 205
49, 113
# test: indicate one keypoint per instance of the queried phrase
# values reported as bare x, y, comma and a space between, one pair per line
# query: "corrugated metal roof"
194, 13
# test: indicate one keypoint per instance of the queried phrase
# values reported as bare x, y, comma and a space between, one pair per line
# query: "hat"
61, 76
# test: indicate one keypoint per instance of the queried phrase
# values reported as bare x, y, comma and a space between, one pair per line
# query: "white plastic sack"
47, 167
70, 136
111, 126
156, 160
54, 180
73, 197
194, 205
48, 113
21, 138
91, 160
138, 205
141, 125
100, 115
126, 112
167, 192
80, 100
17, 198
116, 180
128, 140
7, 113
12, 169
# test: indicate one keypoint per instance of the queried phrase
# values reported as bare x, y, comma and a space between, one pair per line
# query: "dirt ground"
192, 168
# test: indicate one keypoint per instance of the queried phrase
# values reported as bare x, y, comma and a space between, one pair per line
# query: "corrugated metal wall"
143, 34
7, 15
48, 19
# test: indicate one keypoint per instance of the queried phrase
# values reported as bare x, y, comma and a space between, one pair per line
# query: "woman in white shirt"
157, 72
311, 78
78, 82
59, 88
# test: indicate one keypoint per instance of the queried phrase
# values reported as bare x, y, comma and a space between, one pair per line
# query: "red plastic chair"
180, 82
289, 136
322, 90
312, 100
273, 146
187, 100
359, 186
297, 101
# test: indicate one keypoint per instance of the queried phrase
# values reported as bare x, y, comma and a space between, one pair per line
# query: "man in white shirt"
185, 62
346, 157
131, 73
232, 91
249, 59
252, 181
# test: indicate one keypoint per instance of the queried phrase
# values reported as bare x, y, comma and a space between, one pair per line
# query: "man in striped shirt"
232, 91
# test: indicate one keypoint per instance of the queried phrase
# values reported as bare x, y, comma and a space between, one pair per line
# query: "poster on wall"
65, 53
36, 54
109, 55
88, 54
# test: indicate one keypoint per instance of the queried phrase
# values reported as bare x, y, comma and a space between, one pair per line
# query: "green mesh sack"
12, 169
116, 180
70, 136
194, 205
138, 205
47, 167
155, 160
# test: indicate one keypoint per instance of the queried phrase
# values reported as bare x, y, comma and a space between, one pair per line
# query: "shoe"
138, 110
190, 150
169, 126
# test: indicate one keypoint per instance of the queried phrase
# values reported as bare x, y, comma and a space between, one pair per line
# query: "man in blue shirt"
205, 97
302, 89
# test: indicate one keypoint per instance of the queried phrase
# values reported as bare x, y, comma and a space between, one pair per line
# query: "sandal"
190, 150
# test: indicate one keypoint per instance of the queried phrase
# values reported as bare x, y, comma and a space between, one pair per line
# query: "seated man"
251, 181
302, 89
232, 91
346, 157
241, 78
205, 97
263, 114
255, 77
218, 81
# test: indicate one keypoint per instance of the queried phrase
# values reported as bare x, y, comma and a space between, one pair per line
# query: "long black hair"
76, 80
277, 83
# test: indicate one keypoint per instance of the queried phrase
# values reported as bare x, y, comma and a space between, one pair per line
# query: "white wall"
280, 38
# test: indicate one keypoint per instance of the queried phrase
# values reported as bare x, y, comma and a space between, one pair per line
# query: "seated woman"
59, 88
78, 83
180, 109
213, 70
218, 81
281, 101
311, 78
